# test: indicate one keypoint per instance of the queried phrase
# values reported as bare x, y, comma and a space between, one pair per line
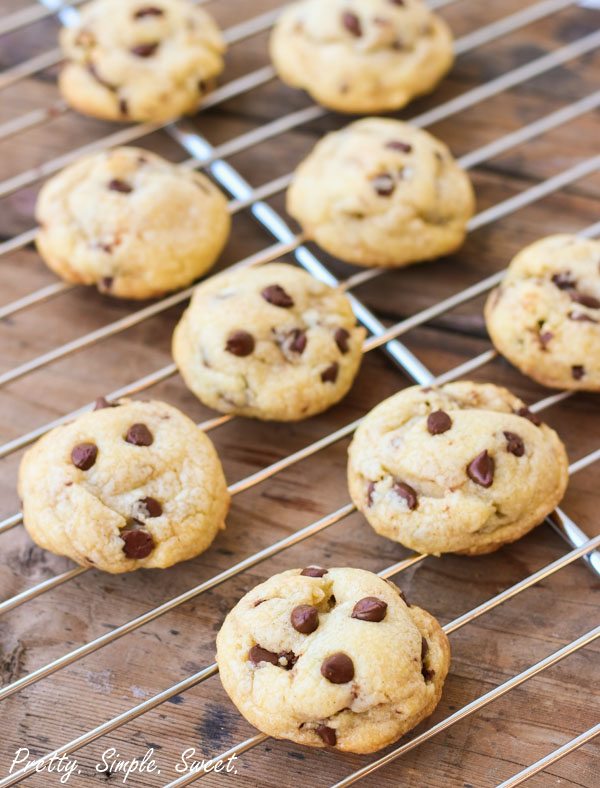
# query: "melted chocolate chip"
287, 659
105, 284
276, 295
577, 371
240, 343
341, 337
338, 668
123, 106
580, 317
313, 571
424, 648
370, 491
150, 10
117, 185
330, 374
305, 619
407, 493
139, 435
258, 654
138, 543
527, 414
144, 50
564, 281
481, 469
328, 734
352, 23
438, 422
83, 456
403, 147
150, 507
585, 300
545, 338
298, 342
514, 444
383, 184
370, 609
398, 2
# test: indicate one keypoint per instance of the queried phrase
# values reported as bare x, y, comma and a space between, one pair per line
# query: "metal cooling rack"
246, 197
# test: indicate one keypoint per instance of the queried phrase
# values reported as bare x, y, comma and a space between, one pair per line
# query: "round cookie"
130, 485
269, 342
545, 316
332, 658
131, 223
361, 56
382, 193
141, 60
463, 468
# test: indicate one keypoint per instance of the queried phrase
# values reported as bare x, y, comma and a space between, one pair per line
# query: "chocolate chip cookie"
545, 316
332, 658
270, 342
361, 56
382, 193
130, 485
463, 468
131, 223
140, 60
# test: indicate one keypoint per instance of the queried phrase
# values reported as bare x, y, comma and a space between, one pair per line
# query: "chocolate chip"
330, 374
105, 284
102, 403
438, 422
585, 300
305, 619
338, 668
298, 343
406, 492
527, 414
545, 337
341, 337
149, 507
370, 491
580, 317
139, 435
577, 372
424, 648
240, 343
370, 609
564, 281
258, 654
481, 469
313, 571
383, 184
123, 106
144, 50
286, 659
83, 456
328, 735
425, 672
514, 444
117, 185
403, 147
398, 2
352, 23
276, 295
150, 10
138, 543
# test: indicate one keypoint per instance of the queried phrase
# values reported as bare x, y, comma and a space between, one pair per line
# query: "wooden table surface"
488, 746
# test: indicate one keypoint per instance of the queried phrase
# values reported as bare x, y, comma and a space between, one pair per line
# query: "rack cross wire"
246, 197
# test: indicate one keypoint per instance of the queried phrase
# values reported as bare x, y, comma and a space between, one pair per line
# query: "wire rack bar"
552, 757
211, 670
30, 15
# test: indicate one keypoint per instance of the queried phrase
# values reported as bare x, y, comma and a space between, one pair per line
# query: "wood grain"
480, 751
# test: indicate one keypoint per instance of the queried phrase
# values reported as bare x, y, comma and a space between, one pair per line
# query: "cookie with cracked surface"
128, 486
332, 658
545, 315
269, 342
131, 223
381, 192
463, 468
361, 56
140, 60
